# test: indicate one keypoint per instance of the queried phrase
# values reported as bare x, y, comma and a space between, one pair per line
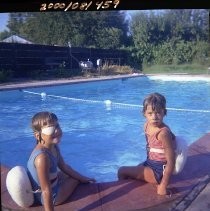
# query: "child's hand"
87, 180
161, 190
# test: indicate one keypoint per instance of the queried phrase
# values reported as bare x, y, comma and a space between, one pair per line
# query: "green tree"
82, 29
171, 36
188, 24
4, 34
143, 32
109, 38
15, 22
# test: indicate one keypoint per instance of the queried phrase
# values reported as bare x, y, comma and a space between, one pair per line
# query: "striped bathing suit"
156, 159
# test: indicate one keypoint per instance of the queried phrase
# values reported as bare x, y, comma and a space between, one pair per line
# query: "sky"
3, 21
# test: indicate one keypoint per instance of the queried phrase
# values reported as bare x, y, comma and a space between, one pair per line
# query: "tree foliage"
170, 37
82, 29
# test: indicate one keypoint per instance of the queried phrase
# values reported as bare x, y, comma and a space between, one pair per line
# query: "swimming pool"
102, 121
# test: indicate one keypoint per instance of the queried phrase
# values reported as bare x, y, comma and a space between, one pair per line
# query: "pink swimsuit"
154, 143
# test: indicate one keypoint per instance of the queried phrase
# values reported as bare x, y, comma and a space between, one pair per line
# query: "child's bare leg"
66, 188
136, 172
128, 172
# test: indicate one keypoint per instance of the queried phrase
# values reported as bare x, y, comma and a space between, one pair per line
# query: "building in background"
16, 39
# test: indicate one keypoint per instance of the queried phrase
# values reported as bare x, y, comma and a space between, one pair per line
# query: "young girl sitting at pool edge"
53, 186
161, 145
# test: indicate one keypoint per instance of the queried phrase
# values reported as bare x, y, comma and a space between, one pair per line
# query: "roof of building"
16, 39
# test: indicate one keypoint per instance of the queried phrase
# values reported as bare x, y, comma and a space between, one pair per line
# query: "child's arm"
166, 138
71, 172
42, 164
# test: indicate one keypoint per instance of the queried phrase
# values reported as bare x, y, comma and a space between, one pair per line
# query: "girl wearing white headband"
52, 187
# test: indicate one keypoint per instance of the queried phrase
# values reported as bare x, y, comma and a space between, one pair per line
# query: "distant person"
53, 186
161, 145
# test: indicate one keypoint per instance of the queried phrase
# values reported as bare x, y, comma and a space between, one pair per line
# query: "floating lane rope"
190, 110
108, 103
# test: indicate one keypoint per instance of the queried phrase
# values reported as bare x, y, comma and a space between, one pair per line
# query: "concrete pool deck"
53, 82
40, 83
191, 189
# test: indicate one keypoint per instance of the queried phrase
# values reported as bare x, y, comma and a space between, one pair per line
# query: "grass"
185, 68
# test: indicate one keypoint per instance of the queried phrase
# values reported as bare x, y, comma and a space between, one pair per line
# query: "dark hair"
41, 119
156, 100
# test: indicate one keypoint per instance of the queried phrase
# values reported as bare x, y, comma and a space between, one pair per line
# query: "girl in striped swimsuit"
161, 146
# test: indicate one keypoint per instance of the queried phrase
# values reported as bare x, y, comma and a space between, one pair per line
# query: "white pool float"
180, 154
19, 186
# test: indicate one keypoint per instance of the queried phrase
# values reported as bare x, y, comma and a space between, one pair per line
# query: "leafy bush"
178, 52
115, 69
200, 54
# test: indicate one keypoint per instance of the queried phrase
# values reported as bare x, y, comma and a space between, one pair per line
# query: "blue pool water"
98, 137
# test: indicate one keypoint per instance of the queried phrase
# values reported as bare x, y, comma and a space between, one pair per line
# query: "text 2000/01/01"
79, 5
